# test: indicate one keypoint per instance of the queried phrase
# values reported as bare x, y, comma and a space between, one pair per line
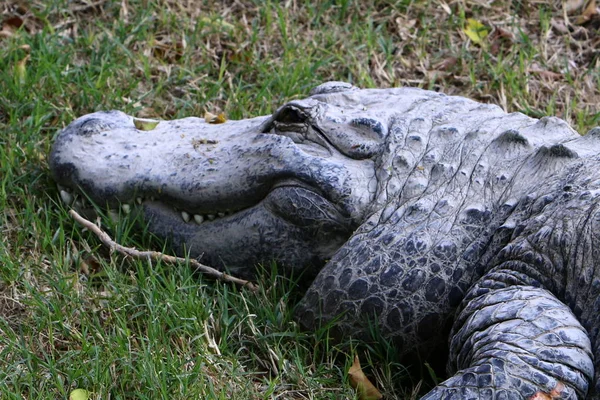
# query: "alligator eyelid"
323, 137
268, 126
296, 127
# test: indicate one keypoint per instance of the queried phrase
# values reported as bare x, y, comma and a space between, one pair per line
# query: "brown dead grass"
538, 58
560, 41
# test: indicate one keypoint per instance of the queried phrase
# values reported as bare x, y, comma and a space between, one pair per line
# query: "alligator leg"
516, 342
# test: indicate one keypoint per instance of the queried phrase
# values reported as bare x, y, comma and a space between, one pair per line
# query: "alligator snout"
104, 155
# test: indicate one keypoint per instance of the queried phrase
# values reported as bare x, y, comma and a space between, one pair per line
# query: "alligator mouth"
189, 215
81, 202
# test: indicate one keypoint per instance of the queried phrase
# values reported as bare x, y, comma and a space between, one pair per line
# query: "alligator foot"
517, 342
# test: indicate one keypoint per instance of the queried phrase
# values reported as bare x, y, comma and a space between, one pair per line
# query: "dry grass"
537, 58
72, 315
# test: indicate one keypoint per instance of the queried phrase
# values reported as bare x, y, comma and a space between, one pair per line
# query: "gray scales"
443, 220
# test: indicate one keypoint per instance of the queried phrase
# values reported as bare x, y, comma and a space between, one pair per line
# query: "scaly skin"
437, 218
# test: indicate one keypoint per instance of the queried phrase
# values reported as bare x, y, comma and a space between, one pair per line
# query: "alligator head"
290, 187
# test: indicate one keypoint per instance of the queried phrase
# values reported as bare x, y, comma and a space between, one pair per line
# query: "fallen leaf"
90, 265
14, 22
214, 119
475, 30
364, 388
144, 124
10, 26
556, 393
123, 12
588, 13
21, 69
79, 394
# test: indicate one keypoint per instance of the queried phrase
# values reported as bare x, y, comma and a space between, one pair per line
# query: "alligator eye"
288, 117
291, 115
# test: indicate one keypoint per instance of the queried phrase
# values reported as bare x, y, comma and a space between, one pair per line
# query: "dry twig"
156, 255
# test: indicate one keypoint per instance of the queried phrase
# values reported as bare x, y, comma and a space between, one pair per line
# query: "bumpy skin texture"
441, 220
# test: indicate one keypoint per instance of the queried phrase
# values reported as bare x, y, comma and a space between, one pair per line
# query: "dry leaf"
21, 70
14, 22
214, 119
144, 124
123, 12
556, 393
364, 388
10, 26
475, 30
90, 265
79, 394
588, 13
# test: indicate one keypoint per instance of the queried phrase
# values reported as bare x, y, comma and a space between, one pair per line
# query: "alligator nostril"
370, 124
94, 125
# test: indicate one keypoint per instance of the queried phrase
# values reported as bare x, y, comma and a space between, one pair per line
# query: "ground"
74, 316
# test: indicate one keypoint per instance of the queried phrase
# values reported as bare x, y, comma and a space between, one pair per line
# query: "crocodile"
434, 220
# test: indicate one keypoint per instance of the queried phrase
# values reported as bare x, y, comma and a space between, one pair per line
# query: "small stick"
156, 255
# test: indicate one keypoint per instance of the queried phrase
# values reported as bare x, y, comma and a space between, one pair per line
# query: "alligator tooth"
66, 197
198, 218
210, 216
126, 208
138, 200
221, 214
185, 216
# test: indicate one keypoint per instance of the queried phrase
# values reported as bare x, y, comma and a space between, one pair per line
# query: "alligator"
435, 220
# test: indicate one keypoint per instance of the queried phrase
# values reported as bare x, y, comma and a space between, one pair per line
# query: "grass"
73, 315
